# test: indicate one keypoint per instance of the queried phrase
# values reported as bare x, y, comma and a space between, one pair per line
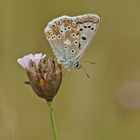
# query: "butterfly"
70, 36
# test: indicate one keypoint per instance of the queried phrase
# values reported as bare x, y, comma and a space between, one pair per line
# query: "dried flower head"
44, 75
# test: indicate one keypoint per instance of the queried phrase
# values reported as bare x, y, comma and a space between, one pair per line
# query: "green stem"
52, 121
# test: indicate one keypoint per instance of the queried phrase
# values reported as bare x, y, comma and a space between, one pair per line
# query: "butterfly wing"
88, 25
61, 34
69, 36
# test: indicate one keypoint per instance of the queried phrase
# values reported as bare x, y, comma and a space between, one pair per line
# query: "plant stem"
52, 121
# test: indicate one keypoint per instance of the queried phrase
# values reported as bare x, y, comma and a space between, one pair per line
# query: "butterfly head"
78, 65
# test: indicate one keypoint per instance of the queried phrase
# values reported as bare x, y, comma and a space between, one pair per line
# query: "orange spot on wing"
67, 21
48, 34
54, 26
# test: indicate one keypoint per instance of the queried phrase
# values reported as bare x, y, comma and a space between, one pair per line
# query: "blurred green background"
103, 107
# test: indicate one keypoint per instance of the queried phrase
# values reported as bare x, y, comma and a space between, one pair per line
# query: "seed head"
44, 74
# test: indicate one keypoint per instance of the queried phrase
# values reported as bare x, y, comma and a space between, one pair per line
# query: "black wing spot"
83, 37
92, 28
54, 45
59, 36
73, 51
89, 26
53, 37
69, 27
81, 29
85, 26
73, 34
75, 42
59, 22
66, 47
79, 46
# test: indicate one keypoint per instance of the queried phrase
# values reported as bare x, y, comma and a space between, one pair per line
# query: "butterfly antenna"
84, 70
68, 70
90, 62
61, 70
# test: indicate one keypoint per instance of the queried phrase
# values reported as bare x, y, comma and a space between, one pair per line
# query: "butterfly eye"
72, 50
77, 65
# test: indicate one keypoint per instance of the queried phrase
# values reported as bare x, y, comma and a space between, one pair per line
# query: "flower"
25, 61
44, 75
